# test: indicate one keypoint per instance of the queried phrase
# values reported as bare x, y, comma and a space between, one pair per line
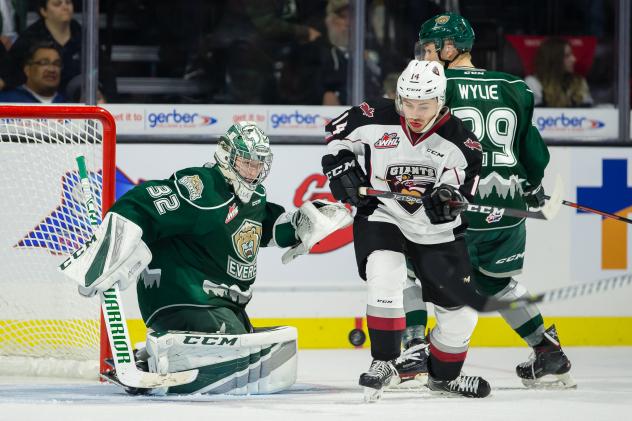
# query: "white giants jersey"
399, 160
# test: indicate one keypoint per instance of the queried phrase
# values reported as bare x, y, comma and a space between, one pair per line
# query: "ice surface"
327, 390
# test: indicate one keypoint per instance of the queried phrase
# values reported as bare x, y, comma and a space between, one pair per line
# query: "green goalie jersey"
498, 109
204, 241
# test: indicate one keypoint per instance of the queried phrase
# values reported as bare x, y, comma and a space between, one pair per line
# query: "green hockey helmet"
447, 26
244, 156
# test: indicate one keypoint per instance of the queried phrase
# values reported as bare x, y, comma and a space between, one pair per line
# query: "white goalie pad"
317, 220
253, 363
115, 254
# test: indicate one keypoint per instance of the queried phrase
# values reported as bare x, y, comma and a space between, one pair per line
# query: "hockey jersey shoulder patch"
369, 112
193, 184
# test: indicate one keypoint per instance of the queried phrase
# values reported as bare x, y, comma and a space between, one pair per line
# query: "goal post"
46, 327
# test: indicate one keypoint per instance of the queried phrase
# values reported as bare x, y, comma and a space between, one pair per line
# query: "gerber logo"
296, 120
193, 184
562, 122
473, 145
246, 240
410, 179
388, 140
366, 110
177, 119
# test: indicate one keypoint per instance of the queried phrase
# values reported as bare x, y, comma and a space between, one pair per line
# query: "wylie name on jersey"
399, 160
498, 108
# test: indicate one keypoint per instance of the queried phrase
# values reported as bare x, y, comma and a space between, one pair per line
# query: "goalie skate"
412, 366
379, 377
462, 386
548, 367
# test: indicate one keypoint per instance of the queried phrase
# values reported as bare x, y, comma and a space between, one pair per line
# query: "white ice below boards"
327, 390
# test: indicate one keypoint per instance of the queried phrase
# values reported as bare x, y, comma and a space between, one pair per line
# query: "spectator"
316, 73
555, 83
42, 70
55, 25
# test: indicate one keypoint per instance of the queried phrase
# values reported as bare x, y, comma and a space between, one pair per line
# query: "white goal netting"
46, 327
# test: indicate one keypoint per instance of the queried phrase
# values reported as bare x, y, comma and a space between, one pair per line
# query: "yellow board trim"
332, 333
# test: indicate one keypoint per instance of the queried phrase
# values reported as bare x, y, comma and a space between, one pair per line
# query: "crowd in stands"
279, 51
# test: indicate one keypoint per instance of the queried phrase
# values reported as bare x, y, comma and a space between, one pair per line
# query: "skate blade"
372, 395
418, 382
551, 381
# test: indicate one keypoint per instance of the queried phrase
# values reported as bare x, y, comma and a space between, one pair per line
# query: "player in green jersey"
498, 109
197, 235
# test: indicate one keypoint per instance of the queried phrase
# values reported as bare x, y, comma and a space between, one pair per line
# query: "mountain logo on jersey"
503, 187
193, 184
233, 210
388, 140
410, 179
367, 110
473, 145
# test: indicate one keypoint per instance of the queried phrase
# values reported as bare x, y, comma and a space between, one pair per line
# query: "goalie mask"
421, 80
244, 157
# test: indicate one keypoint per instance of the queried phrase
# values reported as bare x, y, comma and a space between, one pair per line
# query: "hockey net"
46, 327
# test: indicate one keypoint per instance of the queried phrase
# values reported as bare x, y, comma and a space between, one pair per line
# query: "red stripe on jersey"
446, 356
382, 323
456, 173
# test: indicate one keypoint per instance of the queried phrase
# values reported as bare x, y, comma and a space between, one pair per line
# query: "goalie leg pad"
116, 253
255, 363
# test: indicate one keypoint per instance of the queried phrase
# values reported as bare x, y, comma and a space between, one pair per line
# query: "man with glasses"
42, 69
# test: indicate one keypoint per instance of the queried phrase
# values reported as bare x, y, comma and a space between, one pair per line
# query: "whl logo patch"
388, 140
233, 210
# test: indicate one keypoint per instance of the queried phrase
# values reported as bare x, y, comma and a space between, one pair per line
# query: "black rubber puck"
357, 337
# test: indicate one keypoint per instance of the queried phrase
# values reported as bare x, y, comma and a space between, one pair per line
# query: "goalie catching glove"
437, 204
115, 254
314, 221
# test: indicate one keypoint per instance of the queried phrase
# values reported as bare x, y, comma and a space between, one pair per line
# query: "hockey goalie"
190, 243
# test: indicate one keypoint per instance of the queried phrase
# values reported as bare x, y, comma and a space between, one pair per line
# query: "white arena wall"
322, 294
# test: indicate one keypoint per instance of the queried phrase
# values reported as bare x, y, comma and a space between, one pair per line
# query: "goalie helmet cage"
46, 327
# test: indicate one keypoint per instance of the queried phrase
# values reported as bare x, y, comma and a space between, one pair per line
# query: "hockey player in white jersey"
415, 144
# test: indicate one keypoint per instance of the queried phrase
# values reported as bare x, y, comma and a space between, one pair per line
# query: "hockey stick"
564, 293
116, 324
592, 210
546, 212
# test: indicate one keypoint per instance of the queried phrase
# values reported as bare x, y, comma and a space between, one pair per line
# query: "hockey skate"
140, 356
548, 366
374, 381
462, 386
412, 366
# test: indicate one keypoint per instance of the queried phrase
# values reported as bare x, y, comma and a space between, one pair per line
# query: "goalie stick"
114, 317
593, 210
546, 212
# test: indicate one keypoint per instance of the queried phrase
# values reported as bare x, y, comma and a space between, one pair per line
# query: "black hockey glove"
534, 196
437, 206
345, 176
